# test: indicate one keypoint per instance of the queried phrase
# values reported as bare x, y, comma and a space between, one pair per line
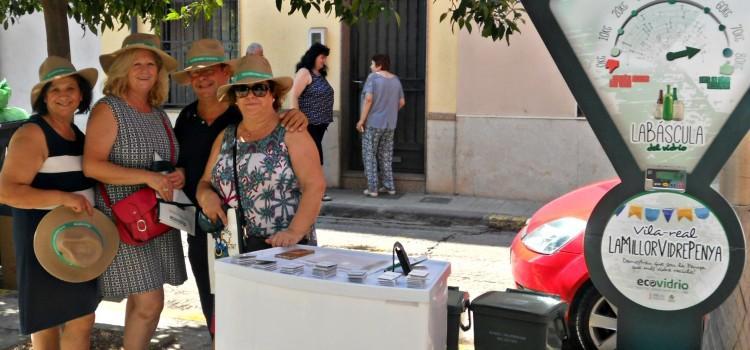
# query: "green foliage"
347, 11
497, 19
98, 15
12, 9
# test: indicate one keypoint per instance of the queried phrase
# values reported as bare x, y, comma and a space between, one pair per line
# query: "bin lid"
529, 307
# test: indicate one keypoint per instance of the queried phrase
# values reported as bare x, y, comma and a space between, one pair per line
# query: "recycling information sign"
660, 263
664, 69
663, 84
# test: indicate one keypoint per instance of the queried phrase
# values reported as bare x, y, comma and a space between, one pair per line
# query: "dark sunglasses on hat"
259, 90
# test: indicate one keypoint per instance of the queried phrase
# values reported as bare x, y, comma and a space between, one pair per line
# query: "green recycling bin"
10, 119
518, 320
458, 303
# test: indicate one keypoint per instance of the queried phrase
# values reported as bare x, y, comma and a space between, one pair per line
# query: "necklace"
245, 135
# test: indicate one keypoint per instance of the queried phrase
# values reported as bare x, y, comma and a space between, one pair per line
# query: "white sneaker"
369, 194
385, 190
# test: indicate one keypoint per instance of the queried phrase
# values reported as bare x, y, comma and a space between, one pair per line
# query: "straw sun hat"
145, 41
253, 69
55, 67
75, 247
203, 53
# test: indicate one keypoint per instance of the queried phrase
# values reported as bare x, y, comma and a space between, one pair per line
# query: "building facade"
482, 118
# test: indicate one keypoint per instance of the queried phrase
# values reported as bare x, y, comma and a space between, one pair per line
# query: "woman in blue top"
312, 94
383, 96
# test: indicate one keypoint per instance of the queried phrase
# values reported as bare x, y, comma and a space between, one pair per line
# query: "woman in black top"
313, 95
42, 170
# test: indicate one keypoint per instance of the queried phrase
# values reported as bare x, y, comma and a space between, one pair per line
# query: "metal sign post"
663, 84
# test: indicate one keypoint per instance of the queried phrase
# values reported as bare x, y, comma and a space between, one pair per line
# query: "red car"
547, 256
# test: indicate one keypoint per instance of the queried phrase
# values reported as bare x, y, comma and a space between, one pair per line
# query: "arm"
96, 151
27, 152
207, 198
301, 80
306, 166
401, 103
366, 105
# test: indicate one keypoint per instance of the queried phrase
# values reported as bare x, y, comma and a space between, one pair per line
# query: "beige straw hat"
203, 53
134, 41
75, 247
55, 67
252, 69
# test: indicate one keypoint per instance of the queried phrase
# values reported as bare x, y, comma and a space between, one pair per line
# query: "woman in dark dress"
313, 95
42, 170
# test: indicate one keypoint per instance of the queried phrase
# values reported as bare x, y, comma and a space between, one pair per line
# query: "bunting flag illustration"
668, 213
686, 213
636, 210
652, 214
619, 210
702, 213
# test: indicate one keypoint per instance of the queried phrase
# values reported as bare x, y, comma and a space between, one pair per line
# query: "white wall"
23, 47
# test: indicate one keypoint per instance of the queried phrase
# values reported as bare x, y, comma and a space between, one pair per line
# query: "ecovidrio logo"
663, 284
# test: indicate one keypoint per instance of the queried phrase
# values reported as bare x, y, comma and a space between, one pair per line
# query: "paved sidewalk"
500, 213
182, 323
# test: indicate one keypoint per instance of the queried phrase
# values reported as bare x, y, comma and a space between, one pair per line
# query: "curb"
439, 217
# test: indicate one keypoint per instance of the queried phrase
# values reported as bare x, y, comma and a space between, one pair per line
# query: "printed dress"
43, 300
138, 269
269, 191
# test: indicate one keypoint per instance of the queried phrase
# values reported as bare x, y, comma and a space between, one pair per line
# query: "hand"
294, 120
284, 238
78, 203
361, 126
177, 178
161, 184
211, 204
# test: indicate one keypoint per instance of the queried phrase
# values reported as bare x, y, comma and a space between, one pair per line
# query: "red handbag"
137, 215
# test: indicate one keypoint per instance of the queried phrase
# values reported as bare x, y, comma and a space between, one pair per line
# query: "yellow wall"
112, 40
284, 38
442, 60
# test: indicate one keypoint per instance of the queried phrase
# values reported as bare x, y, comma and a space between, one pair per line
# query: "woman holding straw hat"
42, 170
278, 173
132, 132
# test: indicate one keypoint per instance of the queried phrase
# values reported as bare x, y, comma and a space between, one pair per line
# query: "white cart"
268, 310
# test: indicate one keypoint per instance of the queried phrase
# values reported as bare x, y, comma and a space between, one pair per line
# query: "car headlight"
550, 237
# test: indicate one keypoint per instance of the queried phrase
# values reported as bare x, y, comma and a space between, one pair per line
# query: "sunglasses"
259, 90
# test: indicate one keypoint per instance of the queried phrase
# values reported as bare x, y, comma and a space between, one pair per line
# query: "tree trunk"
56, 24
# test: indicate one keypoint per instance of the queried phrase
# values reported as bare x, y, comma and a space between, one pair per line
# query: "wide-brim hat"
55, 67
144, 41
252, 69
75, 247
203, 53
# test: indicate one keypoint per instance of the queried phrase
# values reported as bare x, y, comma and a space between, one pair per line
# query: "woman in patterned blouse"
313, 95
279, 175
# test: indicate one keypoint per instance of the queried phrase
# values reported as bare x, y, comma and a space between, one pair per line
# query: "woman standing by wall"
383, 96
42, 170
313, 95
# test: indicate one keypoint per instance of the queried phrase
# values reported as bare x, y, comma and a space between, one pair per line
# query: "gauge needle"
689, 52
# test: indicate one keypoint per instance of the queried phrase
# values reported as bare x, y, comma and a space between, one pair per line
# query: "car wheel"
595, 321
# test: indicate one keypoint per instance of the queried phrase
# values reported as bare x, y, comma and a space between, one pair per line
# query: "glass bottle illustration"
679, 106
659, 105
668, 113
